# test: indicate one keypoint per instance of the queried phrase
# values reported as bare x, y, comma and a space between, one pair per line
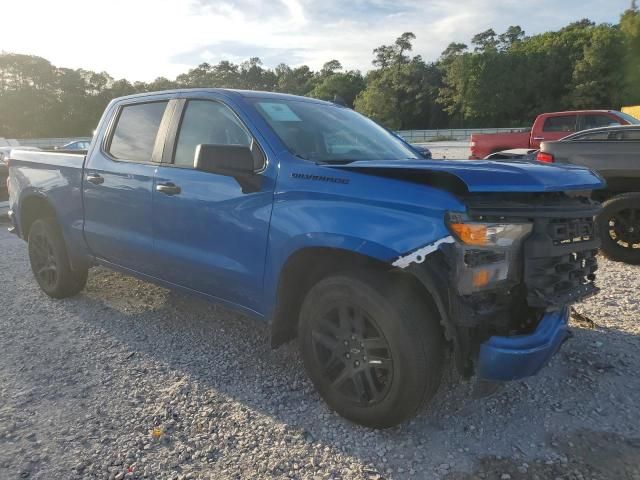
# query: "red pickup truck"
546, 127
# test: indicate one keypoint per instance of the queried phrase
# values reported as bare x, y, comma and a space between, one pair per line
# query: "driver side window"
207, 122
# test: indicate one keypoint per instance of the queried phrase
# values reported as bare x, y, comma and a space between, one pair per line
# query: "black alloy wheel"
624, 228
619, 228
354, 354
50, 261
372, 345
43, 261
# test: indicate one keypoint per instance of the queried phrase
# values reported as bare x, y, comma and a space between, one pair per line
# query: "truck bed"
56, 176
46, 172
65, 158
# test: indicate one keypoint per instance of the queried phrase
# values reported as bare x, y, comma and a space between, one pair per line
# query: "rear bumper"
512, 358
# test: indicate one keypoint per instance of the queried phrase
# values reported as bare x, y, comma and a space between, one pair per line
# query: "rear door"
588, 121
554, 127
210, 231
118, 184
614, 153
617, 158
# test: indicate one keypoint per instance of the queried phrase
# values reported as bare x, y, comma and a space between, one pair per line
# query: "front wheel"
372, 347
50, 262
619, 227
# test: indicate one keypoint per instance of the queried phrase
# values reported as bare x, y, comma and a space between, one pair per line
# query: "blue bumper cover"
511, 358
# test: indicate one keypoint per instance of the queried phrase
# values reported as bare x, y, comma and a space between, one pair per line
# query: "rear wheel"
619, 226
50, 262
372, 348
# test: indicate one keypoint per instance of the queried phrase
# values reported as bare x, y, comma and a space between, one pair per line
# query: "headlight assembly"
490, 234
486, 252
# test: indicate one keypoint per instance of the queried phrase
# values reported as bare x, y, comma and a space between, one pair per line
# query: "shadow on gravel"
230, 353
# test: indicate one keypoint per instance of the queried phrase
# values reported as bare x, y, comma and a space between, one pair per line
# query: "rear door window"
134, 135
562, 123
597, 121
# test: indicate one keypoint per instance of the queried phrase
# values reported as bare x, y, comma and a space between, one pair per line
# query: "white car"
75, 145
513, 154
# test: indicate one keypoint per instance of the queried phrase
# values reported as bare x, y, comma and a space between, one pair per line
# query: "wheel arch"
34, 206
305, 267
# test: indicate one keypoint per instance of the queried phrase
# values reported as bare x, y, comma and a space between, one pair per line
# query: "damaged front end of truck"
505, 277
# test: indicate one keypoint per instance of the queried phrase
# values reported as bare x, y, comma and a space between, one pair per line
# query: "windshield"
628, 118
329, 133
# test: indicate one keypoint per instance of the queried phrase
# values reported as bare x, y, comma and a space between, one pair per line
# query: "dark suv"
613, 152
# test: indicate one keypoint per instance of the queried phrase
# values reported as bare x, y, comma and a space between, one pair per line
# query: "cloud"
143, 39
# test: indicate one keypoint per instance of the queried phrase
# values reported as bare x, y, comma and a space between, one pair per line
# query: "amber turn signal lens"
480, 278
471, 234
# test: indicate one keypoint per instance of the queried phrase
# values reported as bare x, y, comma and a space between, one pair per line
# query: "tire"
371, 346
50, 262
619, 228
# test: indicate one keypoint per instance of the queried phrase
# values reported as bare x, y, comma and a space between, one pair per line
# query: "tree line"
499, 80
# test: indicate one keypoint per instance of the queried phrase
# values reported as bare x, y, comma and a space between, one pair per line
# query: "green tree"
513, 35
401, 93
485, 41
598, 80
345, 85
297, 81
252, 76
630, 28
330, 67
387, 55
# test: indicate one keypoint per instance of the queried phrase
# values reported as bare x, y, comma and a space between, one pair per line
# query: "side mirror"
228, 160
237, 161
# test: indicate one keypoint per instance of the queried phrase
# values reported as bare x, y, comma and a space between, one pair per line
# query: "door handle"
95, 178
168, 188
538, 138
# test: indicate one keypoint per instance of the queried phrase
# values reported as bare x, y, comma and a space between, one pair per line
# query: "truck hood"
484, 175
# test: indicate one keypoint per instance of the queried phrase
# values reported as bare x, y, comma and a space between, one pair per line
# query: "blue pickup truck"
312, 217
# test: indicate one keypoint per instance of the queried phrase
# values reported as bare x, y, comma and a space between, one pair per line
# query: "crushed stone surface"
129, 380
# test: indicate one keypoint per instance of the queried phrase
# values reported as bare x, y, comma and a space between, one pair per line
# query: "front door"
555, 127
209, 234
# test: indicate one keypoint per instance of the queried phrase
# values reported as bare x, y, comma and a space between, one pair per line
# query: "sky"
145, 39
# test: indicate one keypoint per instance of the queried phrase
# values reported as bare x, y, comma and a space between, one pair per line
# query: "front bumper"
520, 356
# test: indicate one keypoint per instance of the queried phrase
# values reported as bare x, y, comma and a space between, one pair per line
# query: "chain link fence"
457, 134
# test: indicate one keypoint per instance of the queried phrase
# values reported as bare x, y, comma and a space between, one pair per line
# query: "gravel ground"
129, 380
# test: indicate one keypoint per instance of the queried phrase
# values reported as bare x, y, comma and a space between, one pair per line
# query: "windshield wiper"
339, 161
